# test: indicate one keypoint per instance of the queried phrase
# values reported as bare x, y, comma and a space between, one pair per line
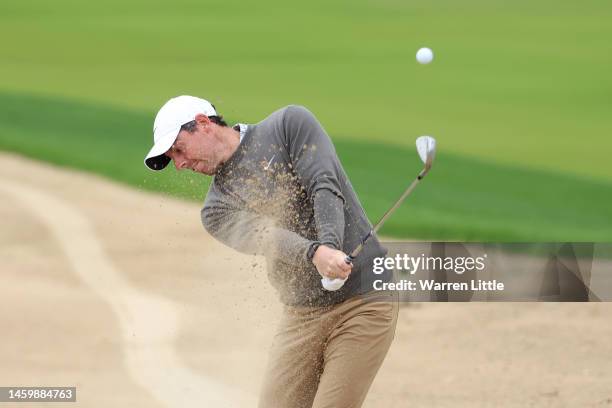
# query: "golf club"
426, 147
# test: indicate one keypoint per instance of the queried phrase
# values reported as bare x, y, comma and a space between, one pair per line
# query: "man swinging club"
279, 190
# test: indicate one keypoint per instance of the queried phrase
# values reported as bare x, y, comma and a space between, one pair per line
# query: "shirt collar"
242, 128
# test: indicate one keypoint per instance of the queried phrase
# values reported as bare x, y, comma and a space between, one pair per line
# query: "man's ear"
202, 119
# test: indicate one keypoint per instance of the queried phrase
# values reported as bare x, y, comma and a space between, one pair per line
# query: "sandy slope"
123, 294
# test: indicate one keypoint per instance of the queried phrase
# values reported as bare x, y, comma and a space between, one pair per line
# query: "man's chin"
198, 168
206, 172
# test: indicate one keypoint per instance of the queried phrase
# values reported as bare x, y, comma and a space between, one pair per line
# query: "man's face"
196, 151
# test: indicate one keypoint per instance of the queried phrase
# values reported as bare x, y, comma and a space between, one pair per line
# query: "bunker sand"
122, 294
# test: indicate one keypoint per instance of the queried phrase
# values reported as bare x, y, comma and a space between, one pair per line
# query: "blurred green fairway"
519, 97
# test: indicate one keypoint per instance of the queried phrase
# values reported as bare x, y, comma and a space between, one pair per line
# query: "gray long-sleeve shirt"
283, 190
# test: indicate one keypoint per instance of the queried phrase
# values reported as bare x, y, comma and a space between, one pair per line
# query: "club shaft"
386, 215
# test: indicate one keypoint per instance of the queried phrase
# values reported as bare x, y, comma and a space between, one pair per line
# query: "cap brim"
156, 159
158, 162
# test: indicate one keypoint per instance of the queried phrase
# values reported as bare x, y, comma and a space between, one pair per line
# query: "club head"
426, 146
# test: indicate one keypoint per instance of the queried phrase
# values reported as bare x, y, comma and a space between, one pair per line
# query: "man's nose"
180, 163
178, 160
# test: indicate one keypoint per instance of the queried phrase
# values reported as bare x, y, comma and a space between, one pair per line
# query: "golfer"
279, 190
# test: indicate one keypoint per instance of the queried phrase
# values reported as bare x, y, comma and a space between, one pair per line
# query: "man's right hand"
331, 263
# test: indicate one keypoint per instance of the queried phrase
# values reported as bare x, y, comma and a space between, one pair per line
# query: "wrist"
312, 250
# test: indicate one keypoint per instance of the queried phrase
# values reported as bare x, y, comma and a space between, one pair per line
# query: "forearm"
329, 218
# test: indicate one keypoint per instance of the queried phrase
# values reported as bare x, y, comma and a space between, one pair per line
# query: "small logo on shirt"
269, 163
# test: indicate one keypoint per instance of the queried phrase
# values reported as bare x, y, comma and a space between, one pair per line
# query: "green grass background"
519, 97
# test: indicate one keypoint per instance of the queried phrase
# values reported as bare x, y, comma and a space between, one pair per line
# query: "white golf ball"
424, 55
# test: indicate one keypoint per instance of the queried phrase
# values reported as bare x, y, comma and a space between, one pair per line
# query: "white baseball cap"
174, 114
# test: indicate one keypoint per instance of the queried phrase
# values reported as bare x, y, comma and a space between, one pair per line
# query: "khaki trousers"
327, 357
